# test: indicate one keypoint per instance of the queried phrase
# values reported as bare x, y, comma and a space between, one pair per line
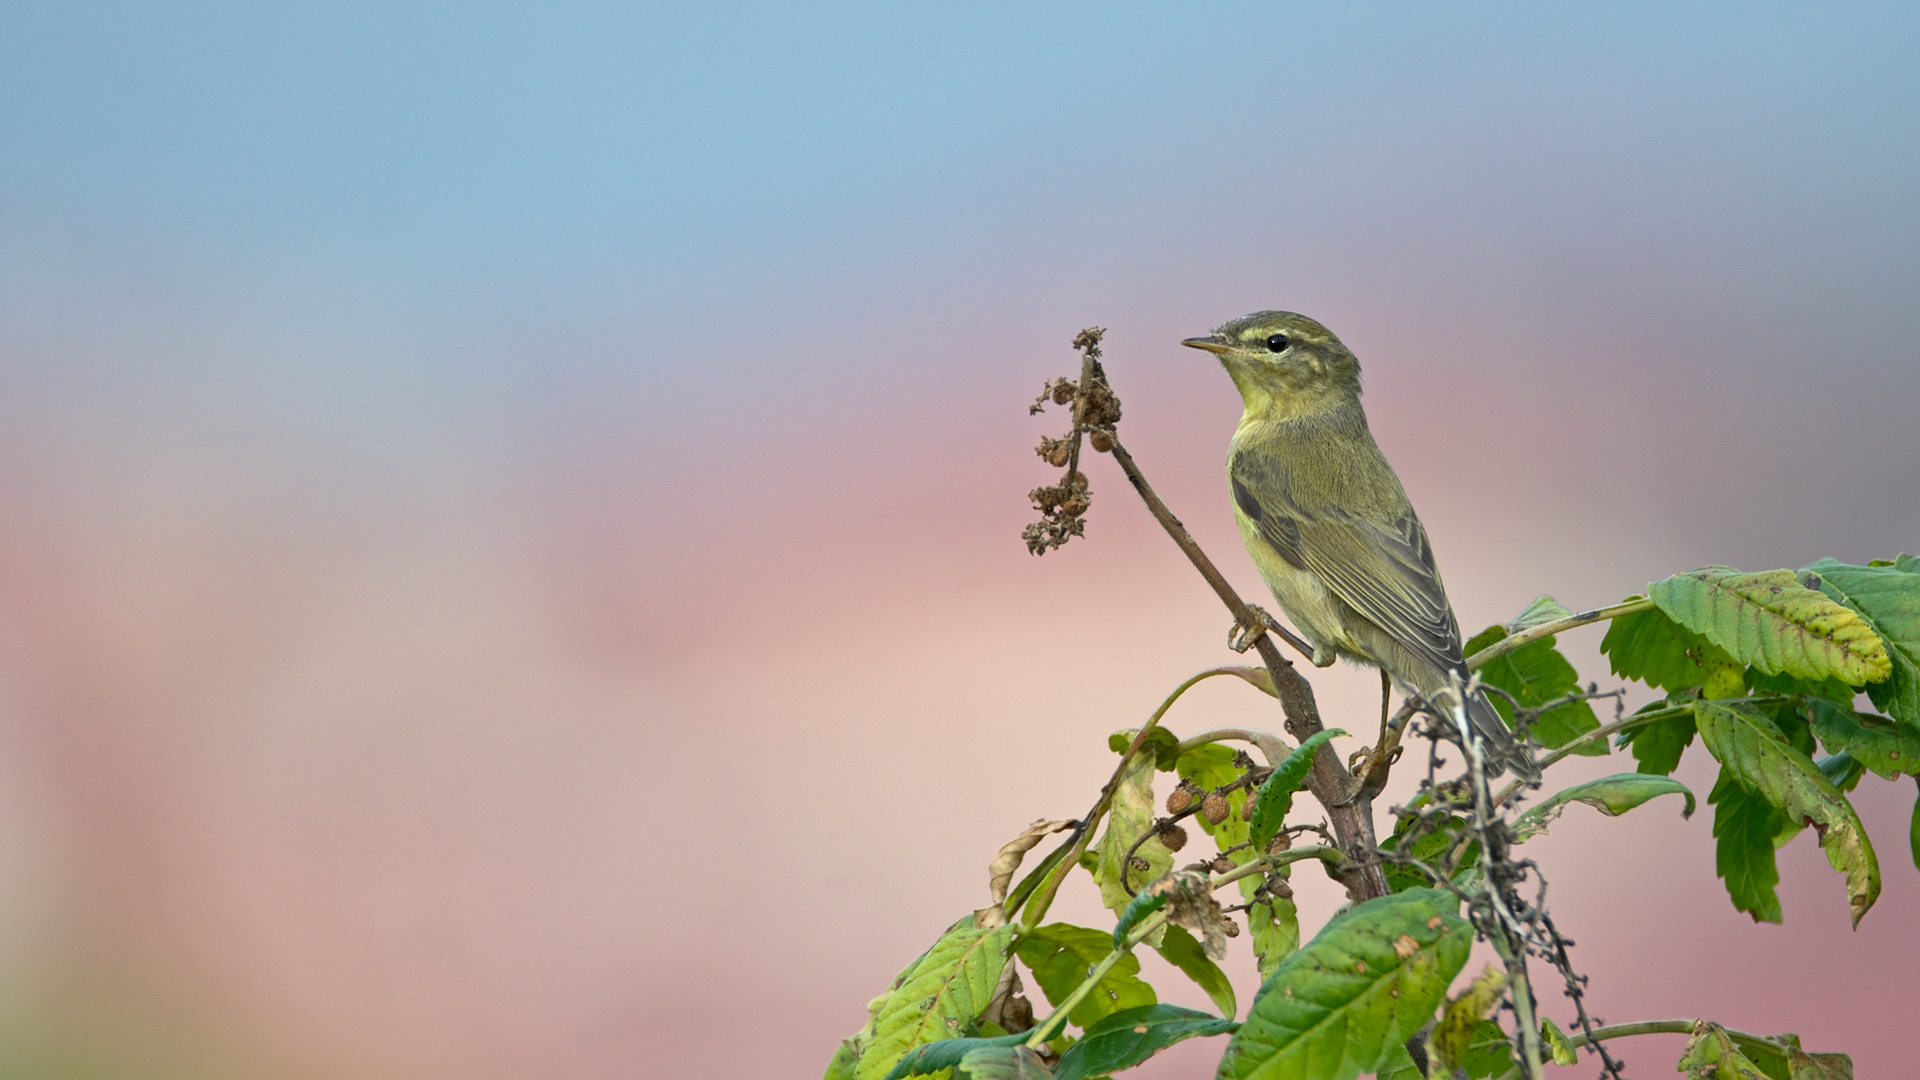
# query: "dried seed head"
1222, 864
1215, 807
1173, 838
1180, 799
1279, 886
1102, 441
1075, 506
1232, 928
1246, 809
1062, 392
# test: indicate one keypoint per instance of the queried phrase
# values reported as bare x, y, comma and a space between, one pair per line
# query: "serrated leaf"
1650, 647
946, 1054
1755, 752
1358, 990
1060, 955
1128, 1038
1711, 1055
1399, 1066
1275, 798
1889, 598
1744, 825
1886, 746
1536, 673
1180, 949
1657, 746
1611, 795
1274, 925
1775, 623
1129, 817
937, 996
1558, 1045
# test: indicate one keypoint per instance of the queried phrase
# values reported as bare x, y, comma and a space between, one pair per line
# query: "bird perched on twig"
1327, 522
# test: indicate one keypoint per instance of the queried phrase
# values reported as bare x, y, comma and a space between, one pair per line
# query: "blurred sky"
509, 517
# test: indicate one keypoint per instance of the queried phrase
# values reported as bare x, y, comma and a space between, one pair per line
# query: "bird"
1328, 524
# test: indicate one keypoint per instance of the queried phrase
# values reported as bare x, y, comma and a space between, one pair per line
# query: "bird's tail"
1502, 748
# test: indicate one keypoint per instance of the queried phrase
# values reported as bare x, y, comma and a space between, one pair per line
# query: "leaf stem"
1270, 745
1534, 633
1657, 1027
1597, 734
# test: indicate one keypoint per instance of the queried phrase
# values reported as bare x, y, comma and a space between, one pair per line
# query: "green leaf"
936, 996
1756, 753
1889, 597
844, 1059
946, 1054
1557, 1043
1543, 610
1128, 1038
1657, 746
1712, 1055
1275, 927
1139, 908
1775, 623
1129, 817
1181, 950
1744, 825
1211, 766
1831, 689
1359, 989
1270, 806
1611, 795
1913, 830
1536, 673
1161, 742
1060, 955
1399, 1066
1462, 1020
1804, 1066
1888, 747
1650, 647
1433, 845
1004, 1063
1841, 770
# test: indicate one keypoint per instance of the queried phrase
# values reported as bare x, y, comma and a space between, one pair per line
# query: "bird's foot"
1249, 630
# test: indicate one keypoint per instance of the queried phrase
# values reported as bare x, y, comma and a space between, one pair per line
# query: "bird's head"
1286, 365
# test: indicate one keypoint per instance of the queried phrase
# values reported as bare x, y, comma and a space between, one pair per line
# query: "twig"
1534, 633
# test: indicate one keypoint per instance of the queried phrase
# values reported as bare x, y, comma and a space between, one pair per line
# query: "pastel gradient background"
509, 518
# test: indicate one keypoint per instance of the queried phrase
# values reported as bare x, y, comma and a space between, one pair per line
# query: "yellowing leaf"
1775, 623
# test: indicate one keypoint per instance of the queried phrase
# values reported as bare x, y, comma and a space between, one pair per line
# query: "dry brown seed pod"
1215, 807
1173, 838
1102, 441
1062, 392
1179, 800
1279, 886
1246, 809
1232, 929
1056, 452
1222, 864
1075, 506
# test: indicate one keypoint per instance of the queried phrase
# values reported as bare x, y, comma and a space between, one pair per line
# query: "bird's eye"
1278, 343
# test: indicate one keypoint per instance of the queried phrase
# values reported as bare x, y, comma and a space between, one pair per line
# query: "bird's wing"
1385, 573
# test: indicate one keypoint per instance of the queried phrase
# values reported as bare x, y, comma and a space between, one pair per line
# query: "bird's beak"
1211, 344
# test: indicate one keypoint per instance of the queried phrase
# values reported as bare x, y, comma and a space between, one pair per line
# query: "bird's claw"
1244, 632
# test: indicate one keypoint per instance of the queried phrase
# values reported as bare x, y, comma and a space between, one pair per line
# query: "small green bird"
1327, 522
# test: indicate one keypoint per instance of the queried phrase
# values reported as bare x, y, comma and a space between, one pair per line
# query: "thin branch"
1534, 633
1350, 811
